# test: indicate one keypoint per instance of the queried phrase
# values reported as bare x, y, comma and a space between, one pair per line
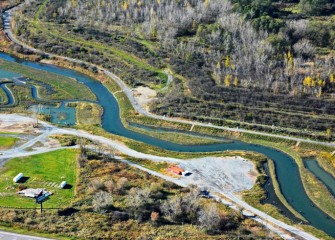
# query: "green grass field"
7, 142
47, 171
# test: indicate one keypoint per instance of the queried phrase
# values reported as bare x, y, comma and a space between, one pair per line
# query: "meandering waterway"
286, 168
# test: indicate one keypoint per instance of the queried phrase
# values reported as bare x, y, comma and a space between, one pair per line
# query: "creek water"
286, 169
324, 176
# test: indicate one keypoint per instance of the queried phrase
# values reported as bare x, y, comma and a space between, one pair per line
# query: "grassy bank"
278, 192
3, 97
254, 197
327, 161
155, 166
180, 138
62, 87
146, 148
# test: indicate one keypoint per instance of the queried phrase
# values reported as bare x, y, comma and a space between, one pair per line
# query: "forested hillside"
261, 62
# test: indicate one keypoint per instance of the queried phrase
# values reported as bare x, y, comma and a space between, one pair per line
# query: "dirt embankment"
144, 96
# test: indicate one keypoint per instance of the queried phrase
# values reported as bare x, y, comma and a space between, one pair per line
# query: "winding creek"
286, 168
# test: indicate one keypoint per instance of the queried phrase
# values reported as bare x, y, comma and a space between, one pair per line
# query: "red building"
176, 170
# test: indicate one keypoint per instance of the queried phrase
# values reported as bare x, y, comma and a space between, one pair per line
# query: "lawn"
7, 142
45, 170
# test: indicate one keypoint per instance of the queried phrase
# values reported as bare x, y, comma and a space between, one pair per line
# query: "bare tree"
182, 208
121, 184
102, 201
209, 218
110, 186
137, 199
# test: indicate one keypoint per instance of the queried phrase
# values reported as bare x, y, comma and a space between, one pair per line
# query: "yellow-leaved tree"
331, 78
235, 81
227, 80
308, 81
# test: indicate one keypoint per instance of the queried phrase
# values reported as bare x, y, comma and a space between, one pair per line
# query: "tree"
329, 133
312, 7
102, 201
308, 81
209, 219
235, 82
137, 200
227, 62
121, 184
227, 80
154, 217
182, 208
331, 78
172, 208
110, 186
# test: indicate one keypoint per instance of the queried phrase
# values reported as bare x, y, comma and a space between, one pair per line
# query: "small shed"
63, 184
176, 170
17, 177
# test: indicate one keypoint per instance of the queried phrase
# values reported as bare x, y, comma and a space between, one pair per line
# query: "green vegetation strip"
3, 97
66, 88
46, 170
155, 166
180, 138
7, 142
279, 193
254, 197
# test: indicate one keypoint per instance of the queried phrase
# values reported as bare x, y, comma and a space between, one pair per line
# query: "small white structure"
17, 177
63, 184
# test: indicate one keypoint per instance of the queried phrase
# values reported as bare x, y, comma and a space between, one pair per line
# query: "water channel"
286, 168
324, 176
